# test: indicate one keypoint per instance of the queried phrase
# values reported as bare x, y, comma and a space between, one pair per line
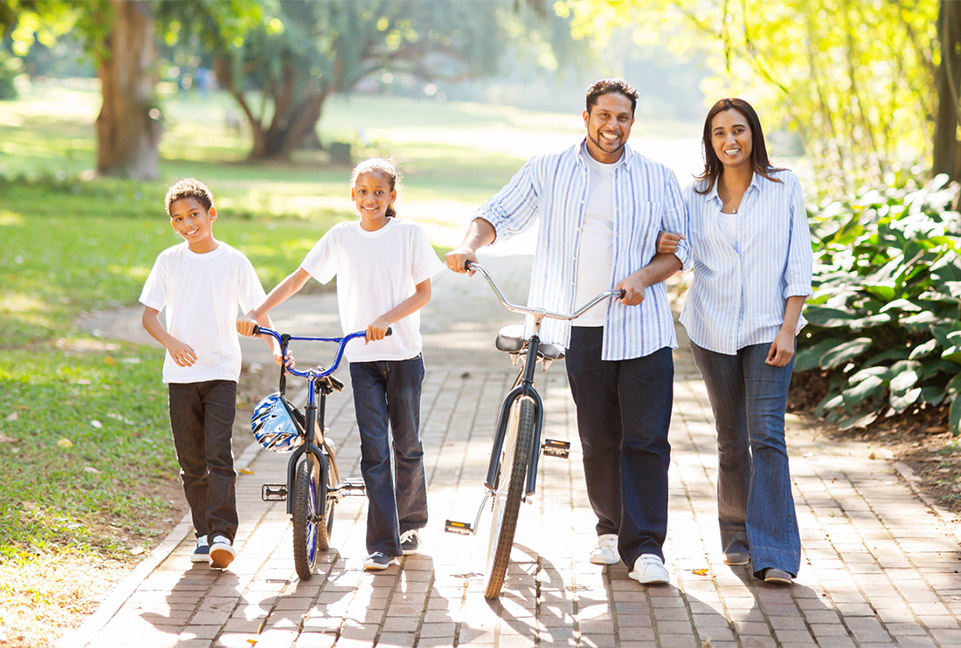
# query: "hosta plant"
884, 323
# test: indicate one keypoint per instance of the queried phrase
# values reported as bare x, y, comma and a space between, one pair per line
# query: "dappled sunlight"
9, 218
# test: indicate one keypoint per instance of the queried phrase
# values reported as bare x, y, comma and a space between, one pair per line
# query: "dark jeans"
201, 417
623, 417
389, 392
755, 507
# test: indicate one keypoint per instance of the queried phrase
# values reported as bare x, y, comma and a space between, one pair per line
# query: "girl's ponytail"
391, 212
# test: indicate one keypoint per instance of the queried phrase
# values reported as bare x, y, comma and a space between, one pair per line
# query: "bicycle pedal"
273, 492
353, 487
461, 528
556, 448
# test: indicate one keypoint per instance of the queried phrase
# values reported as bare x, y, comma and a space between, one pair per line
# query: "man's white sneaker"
649, 569
605, 553
221, 552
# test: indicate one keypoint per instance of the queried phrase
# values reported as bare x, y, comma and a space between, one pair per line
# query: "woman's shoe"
777, 576
737, 558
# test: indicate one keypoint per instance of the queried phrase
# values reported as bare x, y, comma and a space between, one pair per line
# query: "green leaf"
864, 390
924, 350
828, 317
954, 415
904, 305
902, 401
952, 354
933, 395
808, 358
844, 352
904, 381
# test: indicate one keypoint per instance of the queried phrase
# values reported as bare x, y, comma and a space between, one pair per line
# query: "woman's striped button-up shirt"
737, 295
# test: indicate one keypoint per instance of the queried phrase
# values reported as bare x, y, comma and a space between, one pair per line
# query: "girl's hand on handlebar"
246, 327
667, 242
287, 361
377, 330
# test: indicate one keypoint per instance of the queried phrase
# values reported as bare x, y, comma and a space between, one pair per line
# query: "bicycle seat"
510, 339
329, 383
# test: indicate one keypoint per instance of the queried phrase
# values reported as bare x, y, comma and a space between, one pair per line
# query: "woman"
752, 273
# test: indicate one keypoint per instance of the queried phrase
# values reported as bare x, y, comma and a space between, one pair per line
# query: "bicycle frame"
526, 386
312, 413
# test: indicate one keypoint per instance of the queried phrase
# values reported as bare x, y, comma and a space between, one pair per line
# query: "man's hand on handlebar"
633, 290
457, 260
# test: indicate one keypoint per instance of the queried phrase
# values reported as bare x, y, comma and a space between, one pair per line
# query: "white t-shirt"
595, 254
375, 271
201, 295
728, 224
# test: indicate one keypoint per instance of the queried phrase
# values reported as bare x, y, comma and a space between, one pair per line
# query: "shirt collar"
755, 182
580, 149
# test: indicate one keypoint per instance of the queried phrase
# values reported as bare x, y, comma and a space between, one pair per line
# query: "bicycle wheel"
507, 501
310, 495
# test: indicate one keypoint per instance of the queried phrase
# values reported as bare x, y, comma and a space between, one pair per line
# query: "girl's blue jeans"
387, 405
755, 506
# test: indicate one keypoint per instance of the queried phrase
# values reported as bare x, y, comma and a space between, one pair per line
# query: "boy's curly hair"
189, 188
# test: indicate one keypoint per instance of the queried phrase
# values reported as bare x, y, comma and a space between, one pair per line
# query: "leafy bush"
885, 320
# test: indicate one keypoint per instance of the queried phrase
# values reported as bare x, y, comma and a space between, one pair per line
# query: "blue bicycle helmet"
273, 424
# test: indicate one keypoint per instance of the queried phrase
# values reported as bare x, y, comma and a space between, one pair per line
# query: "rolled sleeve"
514, 208
675, 219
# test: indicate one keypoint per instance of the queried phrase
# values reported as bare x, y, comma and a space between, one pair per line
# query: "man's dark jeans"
389, 391
623, 417
201, 418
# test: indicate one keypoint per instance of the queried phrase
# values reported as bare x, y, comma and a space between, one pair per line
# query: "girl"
383, 269
752, 273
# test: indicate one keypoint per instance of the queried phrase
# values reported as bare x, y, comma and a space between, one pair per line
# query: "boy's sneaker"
202, 551
410, 542
605, 553
378, 561
221, 552
649, 569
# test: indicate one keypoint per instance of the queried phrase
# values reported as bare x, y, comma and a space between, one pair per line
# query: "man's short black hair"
608, 86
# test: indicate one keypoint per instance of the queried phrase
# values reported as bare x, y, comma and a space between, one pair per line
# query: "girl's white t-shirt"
201, 296
375, 272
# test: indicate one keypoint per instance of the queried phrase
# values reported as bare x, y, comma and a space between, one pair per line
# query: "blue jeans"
385, 392
623, 417
201, 421
755, 507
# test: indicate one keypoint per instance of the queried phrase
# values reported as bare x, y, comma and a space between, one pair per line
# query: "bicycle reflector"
273, 424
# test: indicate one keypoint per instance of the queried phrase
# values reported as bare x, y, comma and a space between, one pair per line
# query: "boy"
201, 283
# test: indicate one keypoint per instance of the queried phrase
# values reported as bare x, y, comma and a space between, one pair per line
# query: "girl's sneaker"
410, 542
378, 561
221, 552
202, 551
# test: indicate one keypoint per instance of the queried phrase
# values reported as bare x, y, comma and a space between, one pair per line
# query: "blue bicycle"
313, 485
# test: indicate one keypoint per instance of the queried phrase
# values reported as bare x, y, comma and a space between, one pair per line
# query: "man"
601, 207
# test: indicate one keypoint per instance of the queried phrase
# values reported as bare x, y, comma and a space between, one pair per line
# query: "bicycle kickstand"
467, 528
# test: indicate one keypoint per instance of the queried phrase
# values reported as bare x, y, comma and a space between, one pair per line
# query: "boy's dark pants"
201, 417
390, 391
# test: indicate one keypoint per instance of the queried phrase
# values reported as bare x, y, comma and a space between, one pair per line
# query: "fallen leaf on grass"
699, 572
97, 424
245, 471
13, 417
65, 443
91, 470
5, 439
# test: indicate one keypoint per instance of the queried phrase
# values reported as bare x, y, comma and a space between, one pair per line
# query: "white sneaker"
605, 553
221, 552
649, 569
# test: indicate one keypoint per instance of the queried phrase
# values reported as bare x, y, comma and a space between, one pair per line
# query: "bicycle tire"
310, 494
506, 507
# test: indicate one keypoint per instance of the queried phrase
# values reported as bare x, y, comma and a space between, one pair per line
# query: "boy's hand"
182, 354
246, 327
667, 242
377, 330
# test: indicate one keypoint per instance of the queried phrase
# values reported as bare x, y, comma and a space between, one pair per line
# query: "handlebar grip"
256, 329
389, 332
467, 264
621, 293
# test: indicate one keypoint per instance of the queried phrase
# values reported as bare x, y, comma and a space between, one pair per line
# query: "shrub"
885, 320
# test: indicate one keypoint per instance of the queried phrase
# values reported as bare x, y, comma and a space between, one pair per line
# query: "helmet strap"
284, 341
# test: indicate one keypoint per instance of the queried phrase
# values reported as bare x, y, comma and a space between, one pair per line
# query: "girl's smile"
372, 196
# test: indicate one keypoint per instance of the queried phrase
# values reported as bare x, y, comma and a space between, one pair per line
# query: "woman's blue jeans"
387, 405
755, 507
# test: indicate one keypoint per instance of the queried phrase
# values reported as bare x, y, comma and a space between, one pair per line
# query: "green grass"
84, 441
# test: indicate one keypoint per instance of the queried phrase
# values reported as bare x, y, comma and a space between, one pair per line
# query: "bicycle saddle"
329, 383
510, 339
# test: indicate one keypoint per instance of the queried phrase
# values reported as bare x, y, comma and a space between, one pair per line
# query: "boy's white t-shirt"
375, 271
201, 295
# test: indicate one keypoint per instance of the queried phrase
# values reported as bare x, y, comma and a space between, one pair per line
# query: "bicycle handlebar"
341, 341
540, 312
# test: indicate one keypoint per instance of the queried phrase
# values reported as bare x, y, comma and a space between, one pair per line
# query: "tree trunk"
128, 126
947, 146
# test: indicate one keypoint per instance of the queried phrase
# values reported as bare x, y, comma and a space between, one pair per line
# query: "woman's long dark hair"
713, 168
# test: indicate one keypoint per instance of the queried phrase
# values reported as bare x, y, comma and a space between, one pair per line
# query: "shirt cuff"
797, 290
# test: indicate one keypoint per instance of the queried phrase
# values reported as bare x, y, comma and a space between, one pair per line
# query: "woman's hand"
782, 349
667, 242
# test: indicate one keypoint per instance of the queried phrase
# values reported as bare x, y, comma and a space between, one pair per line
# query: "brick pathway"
879, 567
